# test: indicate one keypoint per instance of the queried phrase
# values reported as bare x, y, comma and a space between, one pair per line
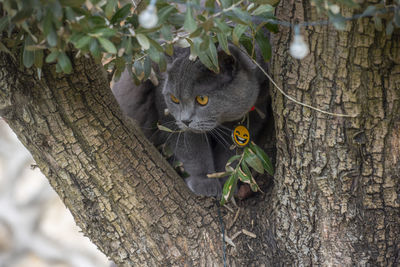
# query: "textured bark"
120, 191
337, 191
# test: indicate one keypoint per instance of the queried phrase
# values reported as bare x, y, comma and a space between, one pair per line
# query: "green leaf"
205, 43
223, 26
243, 176
138, 67
94, 48
96, 21
232, 159
396, 18
156, 45
208, 24
38, 61
223, 42
226, 3
208, 57
64, 62
247, 43
338, 21
143, 41
272, 27
210, 4
109, 8
28, 57
163, 128
253, 160
22, 15
267, 165
4, 23
263, 9
190, 24
378, 23
147, 64
213, 54
196, 33
72, 3
52, 56
237, 33
169, 49
165, 12
49, 29
264, 45
370, 10
163, 63
84, 41
246, 169
121, 14
75, 37
229, 188
389, 28
154, 54
56, 9
52, 37
242, 15
107, 45
167, 33
103, 32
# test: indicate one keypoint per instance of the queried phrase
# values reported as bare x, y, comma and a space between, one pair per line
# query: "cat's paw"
204, 186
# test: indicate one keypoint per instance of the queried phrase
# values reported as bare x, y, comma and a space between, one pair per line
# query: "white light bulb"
298, 48
148, 18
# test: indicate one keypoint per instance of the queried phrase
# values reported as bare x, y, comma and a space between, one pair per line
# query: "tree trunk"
335, 199
337, 190
121, 192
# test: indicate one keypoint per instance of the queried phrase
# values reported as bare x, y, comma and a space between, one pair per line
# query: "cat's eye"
202, 99
174, 99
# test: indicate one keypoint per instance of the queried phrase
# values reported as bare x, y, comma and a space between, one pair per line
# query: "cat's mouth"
200, 127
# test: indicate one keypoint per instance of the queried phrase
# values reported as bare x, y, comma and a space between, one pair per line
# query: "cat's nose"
187, 122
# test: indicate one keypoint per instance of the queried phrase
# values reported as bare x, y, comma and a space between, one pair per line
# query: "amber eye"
174, 99
202, 99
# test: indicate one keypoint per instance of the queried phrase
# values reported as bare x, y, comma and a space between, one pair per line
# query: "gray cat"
203, 107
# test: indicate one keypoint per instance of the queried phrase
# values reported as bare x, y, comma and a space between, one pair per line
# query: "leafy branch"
252, 157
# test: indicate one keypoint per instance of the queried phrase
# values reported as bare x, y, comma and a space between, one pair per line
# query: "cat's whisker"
219, 138
206, 137
176, 146
223, 132
223, 127
158, 130
184, 141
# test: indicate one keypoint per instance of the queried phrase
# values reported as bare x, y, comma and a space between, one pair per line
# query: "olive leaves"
252, 157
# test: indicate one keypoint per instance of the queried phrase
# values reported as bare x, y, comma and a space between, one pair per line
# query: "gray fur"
203, 145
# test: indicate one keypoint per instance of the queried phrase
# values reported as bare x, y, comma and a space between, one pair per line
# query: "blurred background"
36, 229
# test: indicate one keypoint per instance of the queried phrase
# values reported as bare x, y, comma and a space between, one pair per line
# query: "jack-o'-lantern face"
241, 136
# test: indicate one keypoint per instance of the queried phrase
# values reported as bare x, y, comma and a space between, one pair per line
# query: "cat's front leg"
204, 186
194, 151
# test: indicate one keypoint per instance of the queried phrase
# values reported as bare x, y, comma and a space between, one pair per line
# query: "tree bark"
337, 190
121, 192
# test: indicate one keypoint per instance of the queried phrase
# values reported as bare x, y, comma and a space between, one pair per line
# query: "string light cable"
298, 47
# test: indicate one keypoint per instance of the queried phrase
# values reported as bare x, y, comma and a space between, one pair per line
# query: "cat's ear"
237, 60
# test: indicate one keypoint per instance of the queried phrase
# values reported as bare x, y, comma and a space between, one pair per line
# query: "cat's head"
200, 99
